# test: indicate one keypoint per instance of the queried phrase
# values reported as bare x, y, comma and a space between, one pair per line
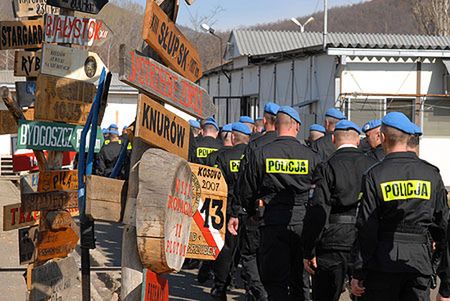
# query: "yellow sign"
203, 152
287, 166
404, 190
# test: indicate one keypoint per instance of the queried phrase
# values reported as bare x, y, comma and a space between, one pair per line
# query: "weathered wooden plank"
27, 244
154, 287
14, 217
163, 210
63, 99
26, 34
27, 63
86, 6
168, 41
55, 244
49, 200
85, 32
163, 84
209, 220
71, 63
55, 280
161, 128
29, 183
54, 180
105, 198
26, 93
33, 8
8, 124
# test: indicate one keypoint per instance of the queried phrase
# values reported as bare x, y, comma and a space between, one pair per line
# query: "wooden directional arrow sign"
83, 31
26, 93
32, 8
71, 63
54, 180
25, 34
27, 63
163, 84
49, 200
14, 217
86, 6
172, 46
40, 135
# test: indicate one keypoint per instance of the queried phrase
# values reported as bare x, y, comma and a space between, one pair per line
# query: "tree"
432, 16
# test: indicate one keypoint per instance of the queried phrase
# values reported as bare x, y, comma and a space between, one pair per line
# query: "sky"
235, 13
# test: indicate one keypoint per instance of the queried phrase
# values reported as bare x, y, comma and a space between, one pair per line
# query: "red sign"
28, 162
154, 288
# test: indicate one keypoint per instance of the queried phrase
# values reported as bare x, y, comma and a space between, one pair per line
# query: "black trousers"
396, 287
250, 241
282, 271
332, 269
224, 262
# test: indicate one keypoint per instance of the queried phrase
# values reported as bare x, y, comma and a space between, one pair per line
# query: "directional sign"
83, 31
63, 99
172, 46
32, 8
71, 63
14, 217
27, 244
161, 128
40, 135
49, 200
163, 84
27, 63
24, 34
29, 183
26, 93
8, 124
154, 287
56, 244
86, 6
54, 180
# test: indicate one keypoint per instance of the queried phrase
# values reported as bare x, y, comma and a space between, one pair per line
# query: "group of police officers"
305, 218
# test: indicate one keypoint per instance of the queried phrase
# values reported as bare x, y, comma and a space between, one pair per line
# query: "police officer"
250, 222
404, 206
373, 137
331, 217
414, 140
229, 161
195, 128
324, 146
280, 174
444, 271
205, 144
248, 121
316, 131
109, 154
259, 125
225, 136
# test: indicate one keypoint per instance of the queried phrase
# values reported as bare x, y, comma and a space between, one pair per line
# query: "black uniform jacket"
107, 158
280, 173
336, 195
212, 157
404, 199
376, 153
444, 269
324, 146
202, 147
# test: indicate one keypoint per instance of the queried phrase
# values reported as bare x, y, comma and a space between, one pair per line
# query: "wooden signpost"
8, 124
71, 63
40, 135
26, 34
33, 8
54, 180
209, 220
154, 287
163, 84
14, 217
163, 211
29, 183
26, 93
166, 39
27, 63
63, 99
84, 31
27, 244
161, 128
86, 6
49, 200
56, 244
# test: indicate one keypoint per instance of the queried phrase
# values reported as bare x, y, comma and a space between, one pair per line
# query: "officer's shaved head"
286, 125
226, 138
393, 139
330, 123
341, 137
239, 138
269, 121
413, 144
210, 130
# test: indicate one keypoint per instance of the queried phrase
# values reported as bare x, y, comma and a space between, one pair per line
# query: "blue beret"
227, 128
211, 119
114, 132
241, 128
345, 125
211, 122
194, 123
335, 113
113, 126
105, 131
398, 121
271, 108
246, 119
373, 124
317, 128
290, 112
417, 130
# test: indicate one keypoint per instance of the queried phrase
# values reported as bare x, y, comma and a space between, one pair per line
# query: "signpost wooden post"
26, 93
86, 6
162, 35
33, 8
27, 63
26, 34
163, 84
161, 128
71, 63
54, 200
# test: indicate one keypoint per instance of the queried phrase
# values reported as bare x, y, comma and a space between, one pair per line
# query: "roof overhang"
389, 52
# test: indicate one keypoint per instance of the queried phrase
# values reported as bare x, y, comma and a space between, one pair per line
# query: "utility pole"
325, 23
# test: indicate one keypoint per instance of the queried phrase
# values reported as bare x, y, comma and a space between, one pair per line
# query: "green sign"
40, 135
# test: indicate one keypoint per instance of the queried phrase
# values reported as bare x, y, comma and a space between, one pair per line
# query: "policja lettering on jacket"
203, 152
404, 190
287, 166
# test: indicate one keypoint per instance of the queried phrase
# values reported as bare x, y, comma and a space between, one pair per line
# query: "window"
250, 106
436, 117
362, 110
405, 106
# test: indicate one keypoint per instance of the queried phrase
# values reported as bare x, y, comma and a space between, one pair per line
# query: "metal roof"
261, 42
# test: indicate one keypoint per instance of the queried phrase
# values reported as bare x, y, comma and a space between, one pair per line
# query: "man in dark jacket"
373, 137
206, 144
109, 154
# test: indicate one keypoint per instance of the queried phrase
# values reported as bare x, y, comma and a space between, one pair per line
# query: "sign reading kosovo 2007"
39, 135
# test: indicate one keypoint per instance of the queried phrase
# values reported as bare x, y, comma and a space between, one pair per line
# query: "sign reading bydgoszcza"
172, 46
161, 128
40, 135
86, 6
21, 34
32, 8
163, 84
27, 63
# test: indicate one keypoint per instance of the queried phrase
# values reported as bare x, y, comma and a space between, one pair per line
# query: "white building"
366, 75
